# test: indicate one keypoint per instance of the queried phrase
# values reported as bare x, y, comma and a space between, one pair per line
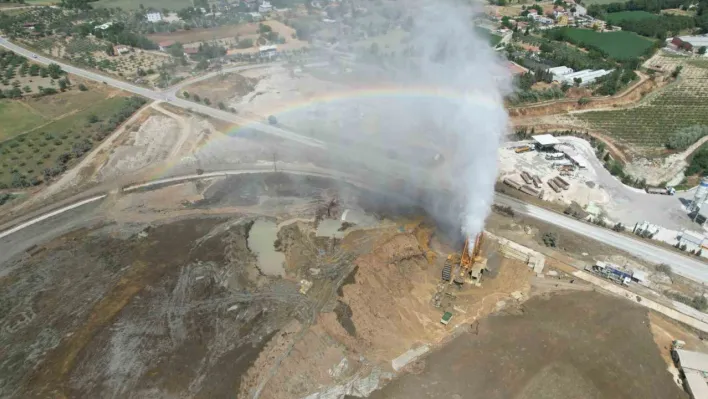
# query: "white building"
695, 41
268, 51
586, 76
559, 72
154, 16
265, 6
256, 16
104, 26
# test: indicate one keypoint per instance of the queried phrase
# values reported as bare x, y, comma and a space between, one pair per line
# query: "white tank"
702, 191
701, 194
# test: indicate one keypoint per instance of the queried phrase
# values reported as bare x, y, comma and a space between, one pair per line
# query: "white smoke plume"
450, 86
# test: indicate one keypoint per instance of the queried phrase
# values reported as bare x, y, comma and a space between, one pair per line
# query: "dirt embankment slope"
628, 97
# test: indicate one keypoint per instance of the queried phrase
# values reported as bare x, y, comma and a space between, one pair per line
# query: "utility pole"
275, 162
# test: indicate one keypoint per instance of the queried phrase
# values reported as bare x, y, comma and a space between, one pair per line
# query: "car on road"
34, 55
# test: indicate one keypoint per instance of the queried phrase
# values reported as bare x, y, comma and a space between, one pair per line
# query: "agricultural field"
20, 78
588, 3
616, 17
172, 5
91, 52
63, 128
647, 126
618, 45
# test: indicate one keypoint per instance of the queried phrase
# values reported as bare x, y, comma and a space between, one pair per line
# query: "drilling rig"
470, 264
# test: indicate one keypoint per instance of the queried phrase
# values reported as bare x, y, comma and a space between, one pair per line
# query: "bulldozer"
470, 265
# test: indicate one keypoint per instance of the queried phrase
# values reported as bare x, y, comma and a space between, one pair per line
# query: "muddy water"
261, 241
330, 228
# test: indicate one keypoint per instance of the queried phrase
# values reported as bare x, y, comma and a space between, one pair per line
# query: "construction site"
274, 285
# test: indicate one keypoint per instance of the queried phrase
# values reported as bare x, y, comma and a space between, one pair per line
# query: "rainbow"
378, 92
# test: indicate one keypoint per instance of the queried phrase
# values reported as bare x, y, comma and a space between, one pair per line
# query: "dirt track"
548, 351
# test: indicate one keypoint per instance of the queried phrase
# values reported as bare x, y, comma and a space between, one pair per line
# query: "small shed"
545, 141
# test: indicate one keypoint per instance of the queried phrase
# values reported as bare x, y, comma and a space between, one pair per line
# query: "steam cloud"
453, 84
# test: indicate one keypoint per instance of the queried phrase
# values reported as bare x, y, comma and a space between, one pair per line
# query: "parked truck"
661, 191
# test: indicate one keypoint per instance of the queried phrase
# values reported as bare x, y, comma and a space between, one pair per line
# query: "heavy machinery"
469, 266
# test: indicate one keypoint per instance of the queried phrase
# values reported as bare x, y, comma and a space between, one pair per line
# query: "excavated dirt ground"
548, 351
164, 298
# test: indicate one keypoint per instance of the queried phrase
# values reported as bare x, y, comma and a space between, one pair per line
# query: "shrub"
683, 138
550, 239
82, 87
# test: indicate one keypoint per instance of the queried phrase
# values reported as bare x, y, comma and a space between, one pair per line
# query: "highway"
169, 96
686, 266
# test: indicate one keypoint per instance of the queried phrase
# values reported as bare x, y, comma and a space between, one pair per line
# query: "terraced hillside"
648, 125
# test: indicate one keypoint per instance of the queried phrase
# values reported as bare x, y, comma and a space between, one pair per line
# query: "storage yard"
551, 170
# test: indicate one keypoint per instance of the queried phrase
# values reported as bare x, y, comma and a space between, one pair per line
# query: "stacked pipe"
536, 181
562, 183
553, 185
527, 177
512, 183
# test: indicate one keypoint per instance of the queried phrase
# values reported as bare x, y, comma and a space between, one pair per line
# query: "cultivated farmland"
618, 45
172, 5
54, 141
648, 125
616, 17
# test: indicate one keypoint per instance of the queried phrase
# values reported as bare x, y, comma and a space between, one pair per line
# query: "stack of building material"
527, 177
512, 183
554, 185
562, 183
512, 250
526, 189
536, 181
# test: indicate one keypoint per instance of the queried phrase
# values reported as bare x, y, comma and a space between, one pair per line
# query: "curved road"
169, 96
683, 265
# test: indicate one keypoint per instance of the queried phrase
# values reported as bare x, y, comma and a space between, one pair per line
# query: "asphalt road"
686, 266
683, 265
169, 96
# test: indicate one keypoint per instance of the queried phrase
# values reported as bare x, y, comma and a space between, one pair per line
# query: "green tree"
27, 89
185, 94
83, 87
207, 101
702, 50
54, 70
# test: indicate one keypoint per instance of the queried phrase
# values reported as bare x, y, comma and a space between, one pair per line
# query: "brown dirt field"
548, 351
249, 30
223, 88
382, 310
198, 35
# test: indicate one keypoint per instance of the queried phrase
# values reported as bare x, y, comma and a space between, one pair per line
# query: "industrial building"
154, 16
563, 74
545, 141
690, 43
559, 72
694, 366
586, 76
